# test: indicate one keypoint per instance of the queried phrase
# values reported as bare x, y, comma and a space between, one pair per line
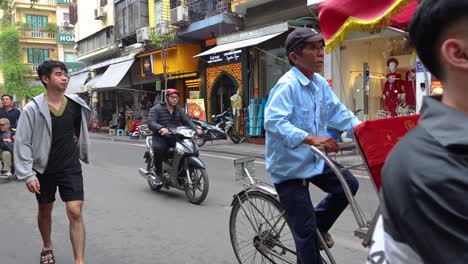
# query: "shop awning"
90, 85
337, 18
238, 44
75, 82
114, 74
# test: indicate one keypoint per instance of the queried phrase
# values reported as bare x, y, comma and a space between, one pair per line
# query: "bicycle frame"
250, 185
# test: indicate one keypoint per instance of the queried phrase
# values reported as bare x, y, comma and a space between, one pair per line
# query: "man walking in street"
161, 117
8, 111
52, 136
299, 108
425, 209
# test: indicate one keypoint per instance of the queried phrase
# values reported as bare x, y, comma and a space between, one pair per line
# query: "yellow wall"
151, 14
21, 14
166, 9
179, 59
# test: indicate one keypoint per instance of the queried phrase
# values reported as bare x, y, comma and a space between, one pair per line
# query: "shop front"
244, 66
376, 72
224, 82
181, 68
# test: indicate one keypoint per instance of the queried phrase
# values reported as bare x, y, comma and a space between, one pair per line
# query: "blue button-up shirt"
297, 107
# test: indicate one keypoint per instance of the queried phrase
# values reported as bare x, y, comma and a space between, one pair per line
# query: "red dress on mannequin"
391, 91
410, 88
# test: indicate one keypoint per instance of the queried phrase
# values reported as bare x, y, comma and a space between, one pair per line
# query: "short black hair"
11, 97
298, 50
46, 67
432, 19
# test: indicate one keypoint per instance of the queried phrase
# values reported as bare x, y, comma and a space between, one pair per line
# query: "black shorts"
70, 185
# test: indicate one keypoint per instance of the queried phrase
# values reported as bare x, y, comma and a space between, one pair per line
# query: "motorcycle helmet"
172, 91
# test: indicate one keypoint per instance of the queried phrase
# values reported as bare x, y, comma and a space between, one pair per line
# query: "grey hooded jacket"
34, 137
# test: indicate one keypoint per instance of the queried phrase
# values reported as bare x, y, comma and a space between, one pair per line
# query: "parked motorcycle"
183, 170
142, 131
221, 127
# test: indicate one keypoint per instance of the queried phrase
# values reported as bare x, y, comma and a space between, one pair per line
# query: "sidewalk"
346, 158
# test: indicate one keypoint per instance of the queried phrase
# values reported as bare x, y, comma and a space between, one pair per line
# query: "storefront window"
273, 64
388, 88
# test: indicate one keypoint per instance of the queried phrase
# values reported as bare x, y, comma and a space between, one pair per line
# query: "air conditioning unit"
98, 14
67, 24
179, 16
143, 34
162, 27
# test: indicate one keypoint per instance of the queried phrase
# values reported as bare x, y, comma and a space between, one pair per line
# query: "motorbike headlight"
187, 132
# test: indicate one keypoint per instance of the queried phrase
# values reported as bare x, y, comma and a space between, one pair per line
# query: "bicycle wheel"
259, 231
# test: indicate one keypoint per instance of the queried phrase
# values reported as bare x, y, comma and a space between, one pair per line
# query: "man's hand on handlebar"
199, 131
328, 143
163, 131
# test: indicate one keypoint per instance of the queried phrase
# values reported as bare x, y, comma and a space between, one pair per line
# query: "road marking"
207, 154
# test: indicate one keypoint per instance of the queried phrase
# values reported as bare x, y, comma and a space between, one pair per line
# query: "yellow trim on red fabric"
353, 24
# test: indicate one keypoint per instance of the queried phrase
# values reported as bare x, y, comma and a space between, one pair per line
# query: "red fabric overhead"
376, 138
337, 18
402, 20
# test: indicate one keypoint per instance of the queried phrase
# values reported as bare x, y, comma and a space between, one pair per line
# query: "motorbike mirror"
213, 116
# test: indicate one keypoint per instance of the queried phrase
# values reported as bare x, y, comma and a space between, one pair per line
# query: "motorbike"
182, 170
221, 127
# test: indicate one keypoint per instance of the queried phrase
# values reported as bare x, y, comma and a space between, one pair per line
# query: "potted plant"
50, 27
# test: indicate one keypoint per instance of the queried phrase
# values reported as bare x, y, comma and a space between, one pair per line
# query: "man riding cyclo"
298, 111
161, 118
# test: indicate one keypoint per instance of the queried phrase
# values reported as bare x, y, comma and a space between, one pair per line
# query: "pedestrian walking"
52, 136
297, 113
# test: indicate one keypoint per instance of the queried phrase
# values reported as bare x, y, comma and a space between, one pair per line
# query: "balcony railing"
33, 67
37, 34
202, 9
41, 2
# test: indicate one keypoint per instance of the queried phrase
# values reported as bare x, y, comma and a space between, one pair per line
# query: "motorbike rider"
161, 117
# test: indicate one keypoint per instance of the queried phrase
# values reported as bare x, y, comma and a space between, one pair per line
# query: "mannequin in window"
392, 87
410, 85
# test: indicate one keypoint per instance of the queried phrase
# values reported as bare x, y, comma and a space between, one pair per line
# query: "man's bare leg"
77, 229
44, 222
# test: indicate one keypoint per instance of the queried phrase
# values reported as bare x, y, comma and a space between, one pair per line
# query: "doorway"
223, 89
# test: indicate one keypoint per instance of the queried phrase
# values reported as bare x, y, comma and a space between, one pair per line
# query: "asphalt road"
126, 222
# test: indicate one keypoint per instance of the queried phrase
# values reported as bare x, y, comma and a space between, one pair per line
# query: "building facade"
38, 30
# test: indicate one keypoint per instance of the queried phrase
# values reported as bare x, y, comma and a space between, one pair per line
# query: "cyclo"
259, 230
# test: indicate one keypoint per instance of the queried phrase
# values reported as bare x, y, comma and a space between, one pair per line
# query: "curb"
230, 152
213, 150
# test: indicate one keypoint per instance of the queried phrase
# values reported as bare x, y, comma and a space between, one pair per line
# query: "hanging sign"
147, 65
196, 108
228, 56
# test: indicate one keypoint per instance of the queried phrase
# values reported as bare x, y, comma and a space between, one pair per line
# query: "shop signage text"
254, 33
182, 76
66, 38
228, 56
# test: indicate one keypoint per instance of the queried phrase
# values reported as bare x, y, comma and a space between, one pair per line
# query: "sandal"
47, 257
